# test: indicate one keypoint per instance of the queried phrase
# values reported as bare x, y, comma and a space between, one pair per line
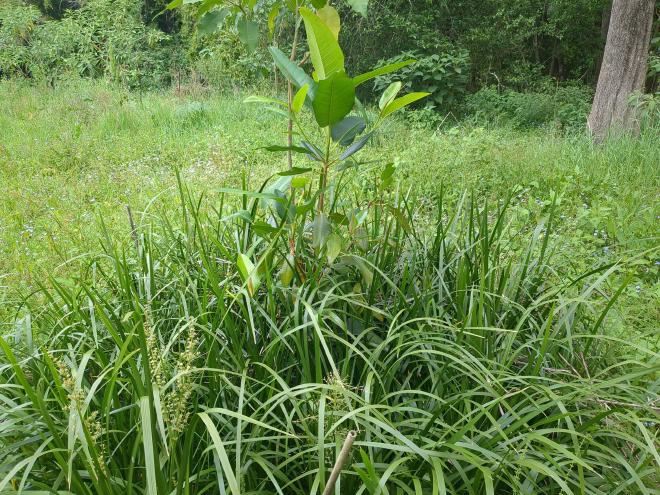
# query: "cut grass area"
81, 152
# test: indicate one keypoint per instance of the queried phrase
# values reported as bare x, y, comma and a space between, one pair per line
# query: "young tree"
623, 69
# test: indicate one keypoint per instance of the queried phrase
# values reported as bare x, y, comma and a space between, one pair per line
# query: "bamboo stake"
339, 463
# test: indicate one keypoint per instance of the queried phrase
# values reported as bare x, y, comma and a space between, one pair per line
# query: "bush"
102, 38
444, 75
224, 62
565, 107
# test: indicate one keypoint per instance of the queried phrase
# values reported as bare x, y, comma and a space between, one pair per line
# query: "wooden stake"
339, 463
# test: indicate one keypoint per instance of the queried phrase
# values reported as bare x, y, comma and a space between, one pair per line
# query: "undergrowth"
464, 366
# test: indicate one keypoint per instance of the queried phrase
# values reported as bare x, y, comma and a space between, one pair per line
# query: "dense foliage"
462, 46
228, 342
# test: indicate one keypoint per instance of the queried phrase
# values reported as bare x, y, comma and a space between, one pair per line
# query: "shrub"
224, 62
444, 75
17, 23
102, 38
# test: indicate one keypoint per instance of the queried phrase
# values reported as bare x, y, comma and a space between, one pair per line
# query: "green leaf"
359, 6
272, 16
366, 272
312, 151
292, 72
402, 102
147, 443
347, 129
264, 99
356, 146
324, 49
248, 33
386, 177
321, 230
296, 149
299, 98
299, 182
286, 271
178, 3
319, 3
295, 170
334, 99
381, 71
333, 247
210, 21
221, 453
389, 94
205, 7
330, 18
249, 273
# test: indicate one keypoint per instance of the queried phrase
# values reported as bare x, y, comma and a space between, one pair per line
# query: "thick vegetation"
208, 292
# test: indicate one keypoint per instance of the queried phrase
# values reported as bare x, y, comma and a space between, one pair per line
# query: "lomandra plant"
230, 350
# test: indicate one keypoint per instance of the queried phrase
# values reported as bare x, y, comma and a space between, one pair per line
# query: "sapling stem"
339, 463
294, 47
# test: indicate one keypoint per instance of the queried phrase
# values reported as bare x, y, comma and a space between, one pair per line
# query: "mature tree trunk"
623, 69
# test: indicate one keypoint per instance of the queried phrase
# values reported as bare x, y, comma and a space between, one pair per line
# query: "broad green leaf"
319, 3
330, 18
248, 33
333, 247
381, 71
292, 72
334, 99
299, 98
402, 102
355, 147
324, 49
312, 151
359, 6
347, 129
210, 21
389, 94
205, 6
249, 273
286, 270
321, 230
272, 16
386, 176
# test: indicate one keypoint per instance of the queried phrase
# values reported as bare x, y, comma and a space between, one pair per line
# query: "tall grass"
464, 365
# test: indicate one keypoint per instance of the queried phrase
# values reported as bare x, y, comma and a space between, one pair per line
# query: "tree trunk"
623, 70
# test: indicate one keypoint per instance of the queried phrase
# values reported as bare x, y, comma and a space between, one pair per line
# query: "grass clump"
465, 366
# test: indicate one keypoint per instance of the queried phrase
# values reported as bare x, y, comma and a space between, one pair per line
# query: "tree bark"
623, 69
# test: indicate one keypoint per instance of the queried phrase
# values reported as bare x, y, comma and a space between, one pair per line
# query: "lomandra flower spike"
339, 463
